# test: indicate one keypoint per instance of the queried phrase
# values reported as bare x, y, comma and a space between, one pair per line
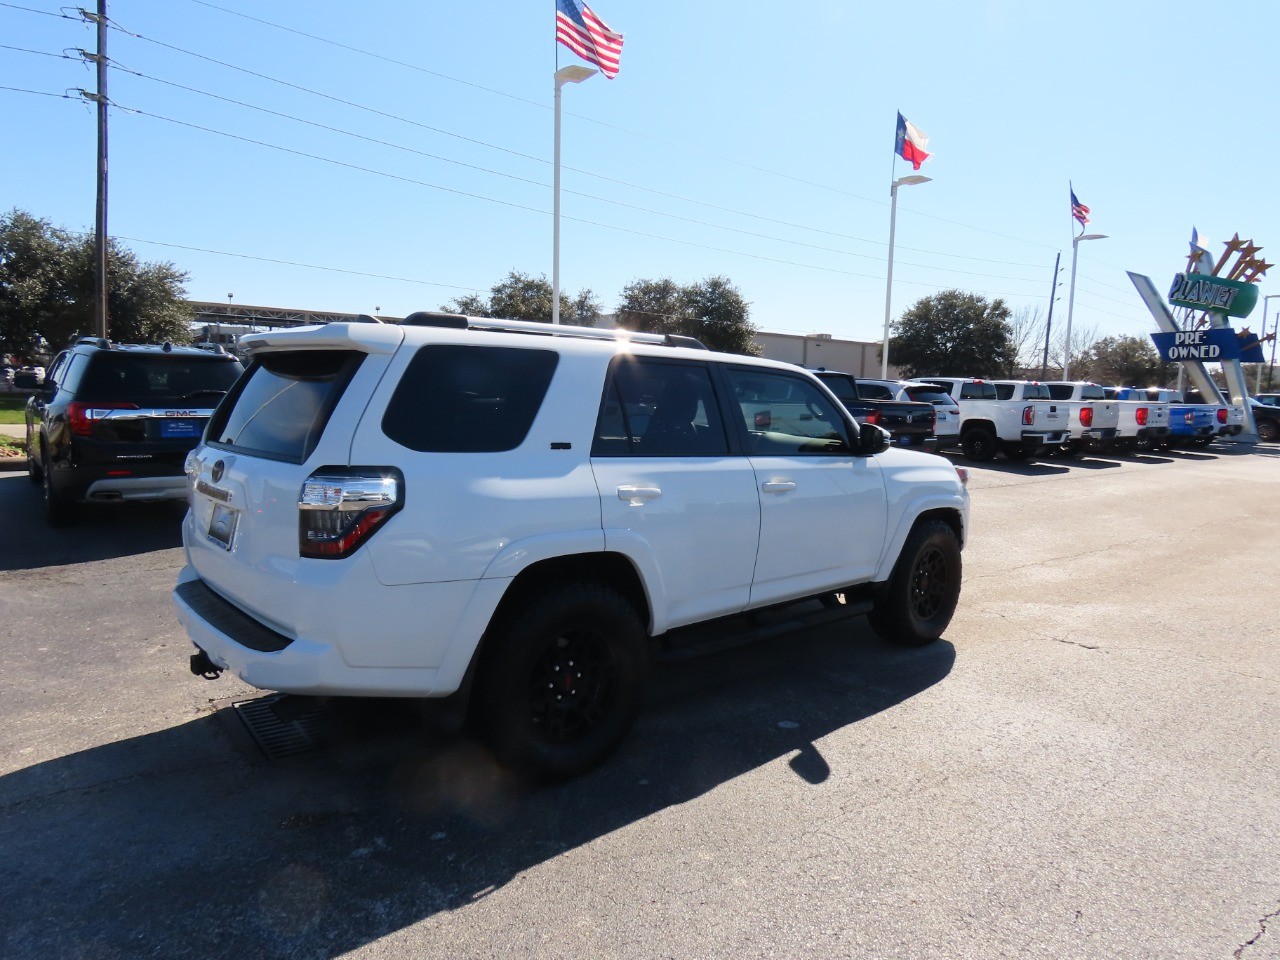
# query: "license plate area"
181, 429
222, 524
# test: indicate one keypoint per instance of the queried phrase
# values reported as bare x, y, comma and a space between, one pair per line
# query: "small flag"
910, 143
579, 29
1078, 209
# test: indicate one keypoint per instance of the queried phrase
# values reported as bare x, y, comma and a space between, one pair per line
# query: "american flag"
579, 29
1078, 209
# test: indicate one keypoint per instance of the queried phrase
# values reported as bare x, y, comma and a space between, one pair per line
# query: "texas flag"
910, 143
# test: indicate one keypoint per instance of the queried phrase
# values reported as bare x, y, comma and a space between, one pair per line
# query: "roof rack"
102, 342
458, 321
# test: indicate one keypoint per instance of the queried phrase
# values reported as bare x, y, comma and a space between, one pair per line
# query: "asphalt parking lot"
1084, 768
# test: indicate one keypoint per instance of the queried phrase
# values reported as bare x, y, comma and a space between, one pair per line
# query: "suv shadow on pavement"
103, 533
172, 843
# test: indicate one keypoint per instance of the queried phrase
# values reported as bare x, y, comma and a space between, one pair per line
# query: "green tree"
1125, 361
713, 311
954, 334
47, 289
520, 296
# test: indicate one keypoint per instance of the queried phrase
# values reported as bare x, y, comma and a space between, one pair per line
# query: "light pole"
888, 284
1257, 386
1071, 297
570, 74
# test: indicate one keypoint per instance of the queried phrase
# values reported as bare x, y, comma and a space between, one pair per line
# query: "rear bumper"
1045, 437
120, 489
232, 640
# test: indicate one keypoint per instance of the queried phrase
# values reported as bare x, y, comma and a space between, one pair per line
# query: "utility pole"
1048, 324
100, 218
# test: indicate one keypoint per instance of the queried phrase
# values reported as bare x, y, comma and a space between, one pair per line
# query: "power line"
525, 156
508, 203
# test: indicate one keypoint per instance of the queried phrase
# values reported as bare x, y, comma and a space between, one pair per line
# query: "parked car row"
1026, 418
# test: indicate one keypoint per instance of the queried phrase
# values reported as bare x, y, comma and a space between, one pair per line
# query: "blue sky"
737, 141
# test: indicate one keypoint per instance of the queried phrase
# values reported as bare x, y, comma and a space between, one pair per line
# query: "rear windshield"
929, 395
147, 379
280, 408
1091, 391
1061, 391
463, 399
841, 385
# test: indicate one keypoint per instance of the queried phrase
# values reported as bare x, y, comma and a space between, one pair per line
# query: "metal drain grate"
283, 726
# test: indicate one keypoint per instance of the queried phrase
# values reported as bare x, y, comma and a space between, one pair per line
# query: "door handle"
778, 486
636, 495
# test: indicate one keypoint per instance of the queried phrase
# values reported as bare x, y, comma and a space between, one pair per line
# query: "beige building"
858, 357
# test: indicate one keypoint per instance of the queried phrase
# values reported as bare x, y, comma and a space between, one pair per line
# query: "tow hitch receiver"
202, 666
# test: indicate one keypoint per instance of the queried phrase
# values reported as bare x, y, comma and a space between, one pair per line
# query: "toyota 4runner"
525, 514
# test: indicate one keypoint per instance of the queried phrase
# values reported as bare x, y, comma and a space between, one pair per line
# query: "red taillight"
874, 417
1142, 416
1028, 415
1222, 414
82, 416
1086, 416
337, 512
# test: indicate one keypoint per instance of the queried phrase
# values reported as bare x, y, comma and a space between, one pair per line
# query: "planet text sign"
1207, 345
1206, 292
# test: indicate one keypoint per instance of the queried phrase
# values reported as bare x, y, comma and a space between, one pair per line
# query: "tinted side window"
874, 391
653, 408
978, 391
1036, 391
71, 372
280, 408
787, 415
1092, 392
1060, 391
1004, 391
464, 399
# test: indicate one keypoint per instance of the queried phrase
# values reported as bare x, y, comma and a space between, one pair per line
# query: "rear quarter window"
467, 399
280, 408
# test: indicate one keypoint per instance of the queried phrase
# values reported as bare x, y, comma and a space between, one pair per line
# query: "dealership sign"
1207, 345
1206, 292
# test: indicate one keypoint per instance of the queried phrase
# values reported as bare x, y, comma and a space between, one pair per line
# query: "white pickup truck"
1144, 423
1018, 424
1094, 418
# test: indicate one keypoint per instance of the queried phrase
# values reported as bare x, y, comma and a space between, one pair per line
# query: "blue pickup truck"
1190, 424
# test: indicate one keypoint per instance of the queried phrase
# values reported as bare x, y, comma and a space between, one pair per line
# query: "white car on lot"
525, 513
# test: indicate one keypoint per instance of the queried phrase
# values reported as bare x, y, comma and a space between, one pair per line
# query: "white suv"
525, 514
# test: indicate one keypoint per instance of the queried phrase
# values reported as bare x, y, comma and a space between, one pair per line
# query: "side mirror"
872, 439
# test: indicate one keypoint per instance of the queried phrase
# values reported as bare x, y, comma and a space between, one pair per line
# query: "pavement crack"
1075, 643
1262, 929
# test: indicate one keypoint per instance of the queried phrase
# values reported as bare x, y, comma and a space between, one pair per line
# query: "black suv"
113, 422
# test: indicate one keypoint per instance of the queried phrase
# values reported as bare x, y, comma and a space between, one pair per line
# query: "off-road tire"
560, 681
1268, 431
920, 598
979, 444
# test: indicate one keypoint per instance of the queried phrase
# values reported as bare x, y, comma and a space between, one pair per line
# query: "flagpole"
569, 74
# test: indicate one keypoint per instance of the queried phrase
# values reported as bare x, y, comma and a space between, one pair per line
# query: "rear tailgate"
156, 408
295, 411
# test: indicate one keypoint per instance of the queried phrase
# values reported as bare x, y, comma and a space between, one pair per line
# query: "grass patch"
12, 406
12, 447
